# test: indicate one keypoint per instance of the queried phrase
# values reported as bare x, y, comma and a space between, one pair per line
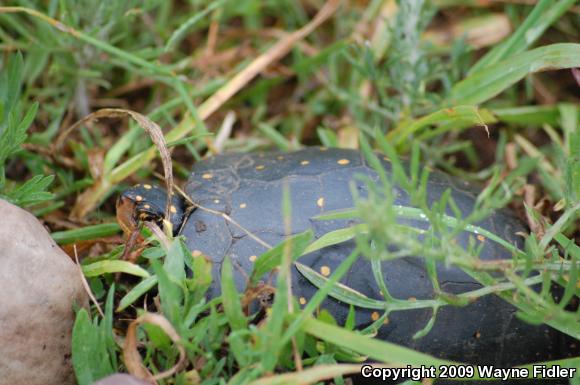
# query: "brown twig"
86, 285
276, 52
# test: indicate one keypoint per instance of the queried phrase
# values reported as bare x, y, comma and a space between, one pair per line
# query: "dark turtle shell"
248, 188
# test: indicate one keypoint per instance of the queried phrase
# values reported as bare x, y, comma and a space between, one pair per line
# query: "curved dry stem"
131, 355
86, 202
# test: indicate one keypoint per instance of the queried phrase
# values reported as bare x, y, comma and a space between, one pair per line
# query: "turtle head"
146, 203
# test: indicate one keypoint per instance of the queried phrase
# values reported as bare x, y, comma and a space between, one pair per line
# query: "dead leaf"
132, 358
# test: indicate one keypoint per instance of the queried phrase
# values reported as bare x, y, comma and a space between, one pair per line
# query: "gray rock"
121, 379
38, 286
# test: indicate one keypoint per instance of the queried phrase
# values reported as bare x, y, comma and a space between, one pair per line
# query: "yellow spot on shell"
207, 176
412, 299
243, 205
216, 201
320, 202
253, 258
302, 301
196, 253
173, 209
386, 321
481, 237
280, 157
375, 315
147, 186
325, 270
323, 148
343, 162
305, 162
138, 198
260, 167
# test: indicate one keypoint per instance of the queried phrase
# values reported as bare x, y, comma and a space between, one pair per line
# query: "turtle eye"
145, 217
145, 212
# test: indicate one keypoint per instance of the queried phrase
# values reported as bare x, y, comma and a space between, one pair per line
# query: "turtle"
248, 189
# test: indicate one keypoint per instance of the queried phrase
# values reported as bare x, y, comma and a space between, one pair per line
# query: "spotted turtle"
249, 189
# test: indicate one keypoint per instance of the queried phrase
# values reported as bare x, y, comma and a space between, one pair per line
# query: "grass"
214, 76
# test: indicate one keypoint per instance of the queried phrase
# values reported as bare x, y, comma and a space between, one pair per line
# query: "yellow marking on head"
147, 186
243, 205
477, 334
280, 157
260, 167
302, 301
138, 198
207, 176
196, 253
386, 321
325, 270
343, 162
146, 207
305, 162
323, 148
386, 158
320, 202
375, 315
253, 258
481, 237
173, 209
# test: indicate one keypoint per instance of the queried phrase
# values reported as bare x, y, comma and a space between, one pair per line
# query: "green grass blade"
85, 233
105, 267
89, 352
180, 33
489, 82
336, 237
529, 115
379, 350
417, 214
568, 245
230, 297
544, 14
469, 115
142, 287
273, 257
308, 376
341, 292
276, 137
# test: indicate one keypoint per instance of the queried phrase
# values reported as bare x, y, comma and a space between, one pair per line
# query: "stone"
121, 379
39, 284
